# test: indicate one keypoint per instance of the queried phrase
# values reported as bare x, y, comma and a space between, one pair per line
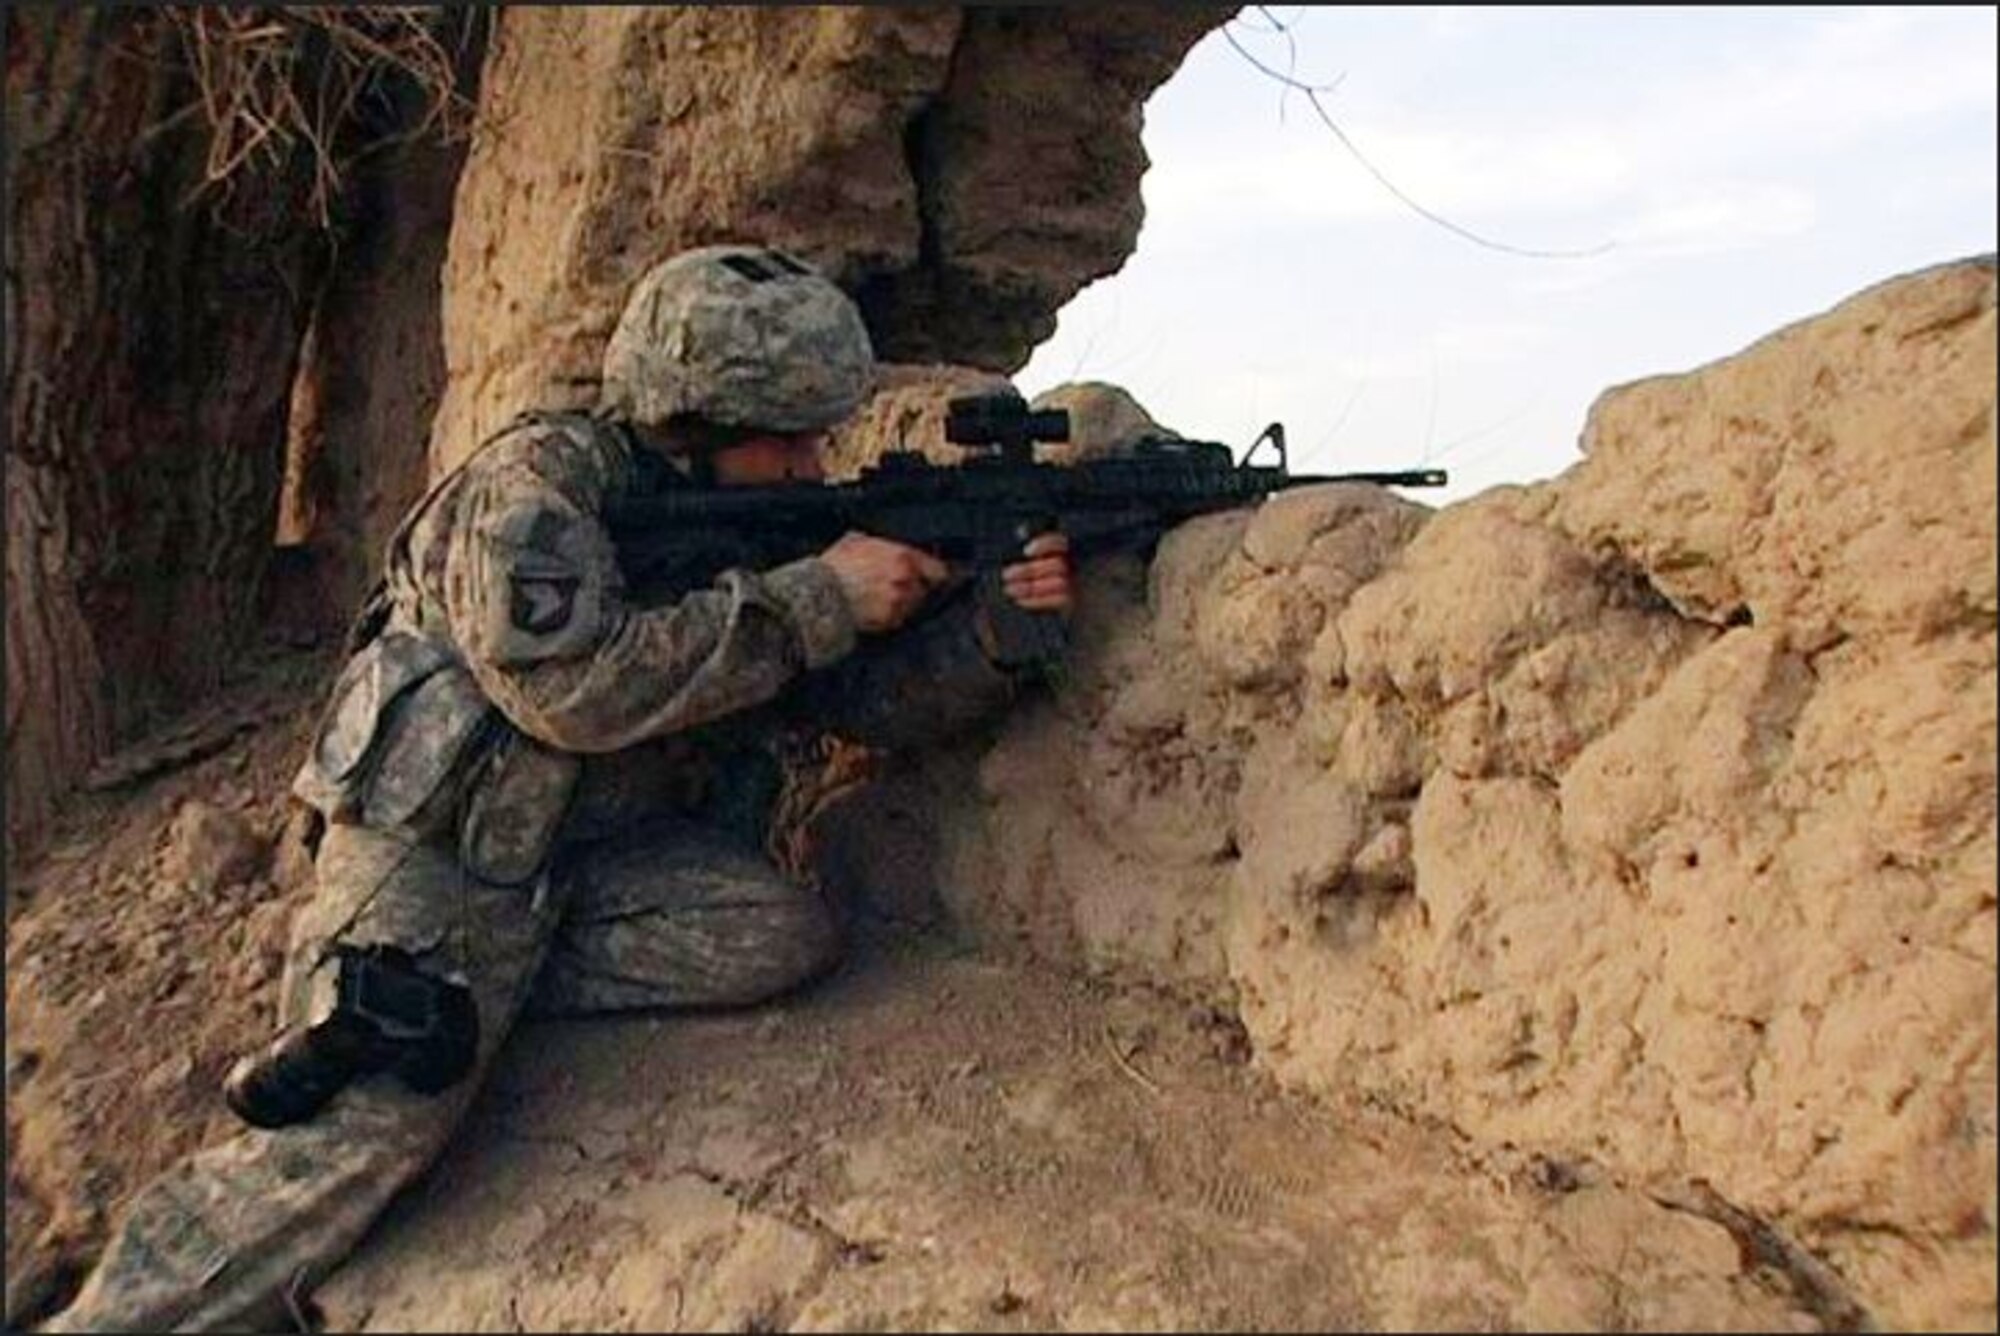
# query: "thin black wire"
1312, 93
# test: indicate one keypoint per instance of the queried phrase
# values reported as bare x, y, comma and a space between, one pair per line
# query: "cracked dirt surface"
136, 973
931, 1140
928, 1139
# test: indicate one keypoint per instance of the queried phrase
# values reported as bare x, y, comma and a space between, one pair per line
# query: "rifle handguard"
981, 511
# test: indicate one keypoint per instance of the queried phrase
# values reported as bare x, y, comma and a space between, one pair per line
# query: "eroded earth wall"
963, 172
907, 150
1644, 817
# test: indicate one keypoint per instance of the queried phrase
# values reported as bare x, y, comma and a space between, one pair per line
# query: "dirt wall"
370, 378
1646, 815
908, 150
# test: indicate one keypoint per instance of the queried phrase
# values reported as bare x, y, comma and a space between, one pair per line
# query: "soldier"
545, 790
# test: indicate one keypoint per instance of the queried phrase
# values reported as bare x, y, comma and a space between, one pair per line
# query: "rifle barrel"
1404, 478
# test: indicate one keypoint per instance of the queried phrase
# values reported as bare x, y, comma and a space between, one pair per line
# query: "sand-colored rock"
210, 847
1103, 419
1646, 816
1507, 639
1836, 477
906, 413
962, 172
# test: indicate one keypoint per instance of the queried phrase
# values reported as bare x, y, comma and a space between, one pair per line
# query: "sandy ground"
132, 983
927, 1139
931, 1141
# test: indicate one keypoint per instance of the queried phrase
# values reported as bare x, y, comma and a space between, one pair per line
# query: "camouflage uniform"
513, 708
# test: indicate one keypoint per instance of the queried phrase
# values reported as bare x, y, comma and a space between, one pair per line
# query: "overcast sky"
1742, 168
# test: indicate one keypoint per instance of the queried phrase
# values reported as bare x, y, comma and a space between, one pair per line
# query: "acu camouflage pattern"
510, 564
738, 335
649, 730
671, 916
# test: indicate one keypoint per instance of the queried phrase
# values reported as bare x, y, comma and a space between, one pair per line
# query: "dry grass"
272, 80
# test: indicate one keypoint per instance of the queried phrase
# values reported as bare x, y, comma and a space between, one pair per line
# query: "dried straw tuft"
269, 79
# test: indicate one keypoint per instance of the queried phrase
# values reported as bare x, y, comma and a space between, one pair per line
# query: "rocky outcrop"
906, 413
909, 151
1646, 816
371, 375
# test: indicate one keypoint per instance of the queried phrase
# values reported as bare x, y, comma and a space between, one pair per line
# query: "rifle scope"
1002, 419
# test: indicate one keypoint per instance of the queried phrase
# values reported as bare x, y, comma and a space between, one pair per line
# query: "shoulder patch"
542, 604
540, 579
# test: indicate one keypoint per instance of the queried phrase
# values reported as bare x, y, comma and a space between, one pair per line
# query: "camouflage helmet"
741, 336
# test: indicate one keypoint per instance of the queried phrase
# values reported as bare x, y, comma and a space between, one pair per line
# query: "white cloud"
1720, 217
1459, 22
1275, 277
1860, 72
1315, 179
1535, 152
1456, 346
1380, 364
1491, 341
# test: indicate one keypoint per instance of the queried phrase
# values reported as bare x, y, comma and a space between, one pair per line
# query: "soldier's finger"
1044, 569
1046, 544
1044, 597
1037, 579
1056, 567
1039, 593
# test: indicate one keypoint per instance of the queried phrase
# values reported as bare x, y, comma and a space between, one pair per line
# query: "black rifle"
984, 511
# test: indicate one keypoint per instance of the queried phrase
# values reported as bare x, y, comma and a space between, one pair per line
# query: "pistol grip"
1021, 638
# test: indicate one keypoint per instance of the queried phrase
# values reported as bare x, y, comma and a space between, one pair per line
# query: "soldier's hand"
884, 581
1040, 581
